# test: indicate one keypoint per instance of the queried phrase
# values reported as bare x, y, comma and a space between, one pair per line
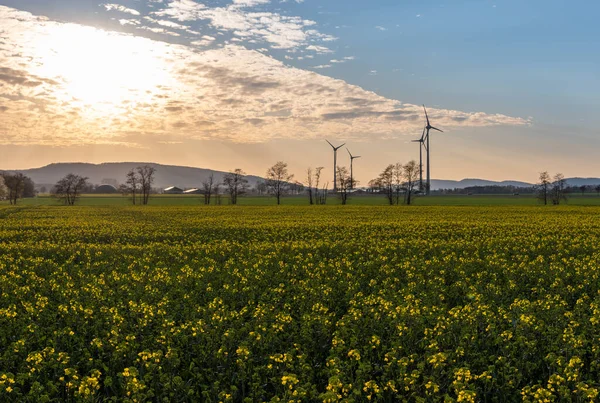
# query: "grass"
366, 200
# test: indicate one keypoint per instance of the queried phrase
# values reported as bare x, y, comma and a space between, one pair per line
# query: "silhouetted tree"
582, 189
558, 189
217, 194
69, 188
261, 188
132, 184
411, 175
236, 184
543, 187
278, 180
15, 184
344, 183
208, 187
3, 189
320, 194
145, 179
598, 189
385, 183
309, 183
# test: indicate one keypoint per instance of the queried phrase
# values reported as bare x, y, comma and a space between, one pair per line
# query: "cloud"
380, 28
120, 8
280, 31
65, 84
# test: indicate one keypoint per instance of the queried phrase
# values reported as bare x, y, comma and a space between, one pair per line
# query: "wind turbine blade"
340, 146
329, 143
435, 128
349, 153
423, 135
416, 141
426, 116
358, 156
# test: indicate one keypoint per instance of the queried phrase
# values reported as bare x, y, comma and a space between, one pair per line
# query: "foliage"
299, 304
69, 188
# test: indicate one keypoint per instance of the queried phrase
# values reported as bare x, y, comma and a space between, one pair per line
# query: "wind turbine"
428, 148
335, 164
352, 158
421, 142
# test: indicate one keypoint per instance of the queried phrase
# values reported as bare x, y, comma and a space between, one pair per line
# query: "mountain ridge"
188, 177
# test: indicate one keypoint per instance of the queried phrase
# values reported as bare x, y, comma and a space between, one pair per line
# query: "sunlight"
101, 70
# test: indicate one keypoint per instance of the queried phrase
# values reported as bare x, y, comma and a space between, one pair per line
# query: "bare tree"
261, 188
411, 174
398, 181
3, 189
69, 188
320, 195
344, 183
278, 180
236, 184
217, 194
559, 186
15, 183
145, 180
208, 187
598, 189
582, 189
309, 183
132, 184
385, 182
543, 187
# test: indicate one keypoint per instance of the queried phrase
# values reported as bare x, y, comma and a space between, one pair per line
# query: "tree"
69, 188
236, 184
344, 183
320, 194
278, 180
385, 182
397, 172
543, 187
309, 183
145, 180
261, 187
217, 194
558, 189
3, 189
582, 189
411, 176
132, 184
208, 187
15, 184
598, 189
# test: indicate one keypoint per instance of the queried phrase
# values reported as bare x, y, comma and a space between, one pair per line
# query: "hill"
166, 175
188, 177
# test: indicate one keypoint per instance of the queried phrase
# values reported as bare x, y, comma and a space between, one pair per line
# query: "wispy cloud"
280, 31
121, 8
105, 87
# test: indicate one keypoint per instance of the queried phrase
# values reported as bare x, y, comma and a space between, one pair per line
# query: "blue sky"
533, 63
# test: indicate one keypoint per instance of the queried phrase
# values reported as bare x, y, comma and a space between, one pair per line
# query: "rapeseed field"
300, 304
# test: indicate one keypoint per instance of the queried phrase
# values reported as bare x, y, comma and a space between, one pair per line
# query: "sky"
227, 84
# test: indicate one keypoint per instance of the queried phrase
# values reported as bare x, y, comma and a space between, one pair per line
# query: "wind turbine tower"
421, 142
428, 127
335, 149
352, 158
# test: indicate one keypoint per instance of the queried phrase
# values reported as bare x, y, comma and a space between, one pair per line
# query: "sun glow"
101, 71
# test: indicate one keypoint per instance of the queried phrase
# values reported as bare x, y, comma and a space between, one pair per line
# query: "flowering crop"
248, 304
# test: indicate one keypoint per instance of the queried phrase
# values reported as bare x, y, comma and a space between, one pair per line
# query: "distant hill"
166, 175
189, 177
450, 184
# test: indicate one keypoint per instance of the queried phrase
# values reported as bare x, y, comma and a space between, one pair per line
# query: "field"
296, 303
590, 199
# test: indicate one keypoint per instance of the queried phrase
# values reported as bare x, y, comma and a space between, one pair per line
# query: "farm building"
105, 189
193, 191
173, 190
